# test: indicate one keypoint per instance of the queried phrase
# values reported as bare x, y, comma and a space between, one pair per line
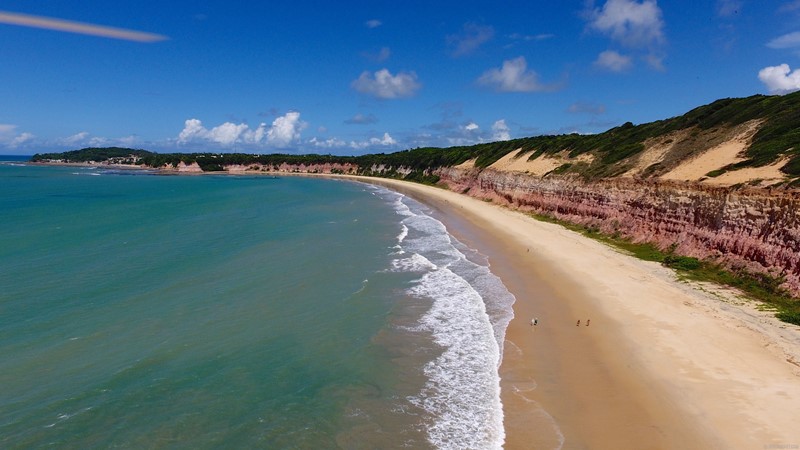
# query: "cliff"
755, 229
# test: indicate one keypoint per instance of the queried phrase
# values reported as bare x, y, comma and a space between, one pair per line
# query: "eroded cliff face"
753, 229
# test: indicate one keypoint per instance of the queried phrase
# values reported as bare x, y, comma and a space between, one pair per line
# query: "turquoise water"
148, 311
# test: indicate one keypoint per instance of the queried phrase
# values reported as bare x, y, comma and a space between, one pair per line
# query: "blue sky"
371, 76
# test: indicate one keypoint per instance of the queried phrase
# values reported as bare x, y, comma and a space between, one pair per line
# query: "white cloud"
500, 131
790, 6
128, 141
728, 8
383, 84
227, 133
514, 76
629, 22
380, 55
76, 138
472, 126
327, 143
613, 61
780, 79
586, 108
21, 139
655, 60
384, 141
361, 119
284, 131
789, 40
470, 38
10, 138
530, 37
374, 23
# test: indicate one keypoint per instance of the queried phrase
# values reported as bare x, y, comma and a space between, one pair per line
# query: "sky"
349, 78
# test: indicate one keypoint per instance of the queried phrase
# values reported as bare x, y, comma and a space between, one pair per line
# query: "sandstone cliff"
757, 229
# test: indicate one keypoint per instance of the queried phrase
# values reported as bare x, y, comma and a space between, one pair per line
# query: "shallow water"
171, 311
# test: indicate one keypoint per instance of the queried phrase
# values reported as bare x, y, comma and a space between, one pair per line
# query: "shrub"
681, 262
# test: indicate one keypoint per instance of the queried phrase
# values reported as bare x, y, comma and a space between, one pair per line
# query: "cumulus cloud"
383, 84
613, 62
514, 76
11, 138
789, 40
780, 79
284, 131
629, 22
500, 131
469, 39
385, 141
327, 143
361, 119
374, 23
472, 126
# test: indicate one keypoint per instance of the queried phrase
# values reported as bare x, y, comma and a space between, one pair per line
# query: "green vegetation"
761, 287
779, 136
94, 154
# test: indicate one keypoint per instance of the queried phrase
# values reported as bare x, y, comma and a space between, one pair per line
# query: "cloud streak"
470, 38
68, 26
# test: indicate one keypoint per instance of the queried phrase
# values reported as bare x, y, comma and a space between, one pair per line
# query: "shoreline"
662, 365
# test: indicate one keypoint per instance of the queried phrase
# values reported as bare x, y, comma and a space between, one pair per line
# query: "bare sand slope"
662, 365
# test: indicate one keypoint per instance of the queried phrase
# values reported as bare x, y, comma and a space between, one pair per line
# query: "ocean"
140, 310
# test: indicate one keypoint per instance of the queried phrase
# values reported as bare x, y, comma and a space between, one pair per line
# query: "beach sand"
662, 364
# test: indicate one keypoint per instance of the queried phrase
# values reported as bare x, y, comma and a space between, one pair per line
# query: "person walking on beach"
579, 323
587, 322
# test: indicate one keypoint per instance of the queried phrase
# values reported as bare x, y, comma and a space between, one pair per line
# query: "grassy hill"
613, 152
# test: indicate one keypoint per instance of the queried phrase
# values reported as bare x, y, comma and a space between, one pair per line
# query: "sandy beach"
662, 364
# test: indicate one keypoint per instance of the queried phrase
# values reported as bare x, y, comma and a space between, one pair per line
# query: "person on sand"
579, 323
587, 322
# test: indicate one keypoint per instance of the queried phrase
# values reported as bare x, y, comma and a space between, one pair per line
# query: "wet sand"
662, 365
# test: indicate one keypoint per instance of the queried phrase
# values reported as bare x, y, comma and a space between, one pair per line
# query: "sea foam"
469, 311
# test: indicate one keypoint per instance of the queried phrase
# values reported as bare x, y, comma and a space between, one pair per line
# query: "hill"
740, 140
